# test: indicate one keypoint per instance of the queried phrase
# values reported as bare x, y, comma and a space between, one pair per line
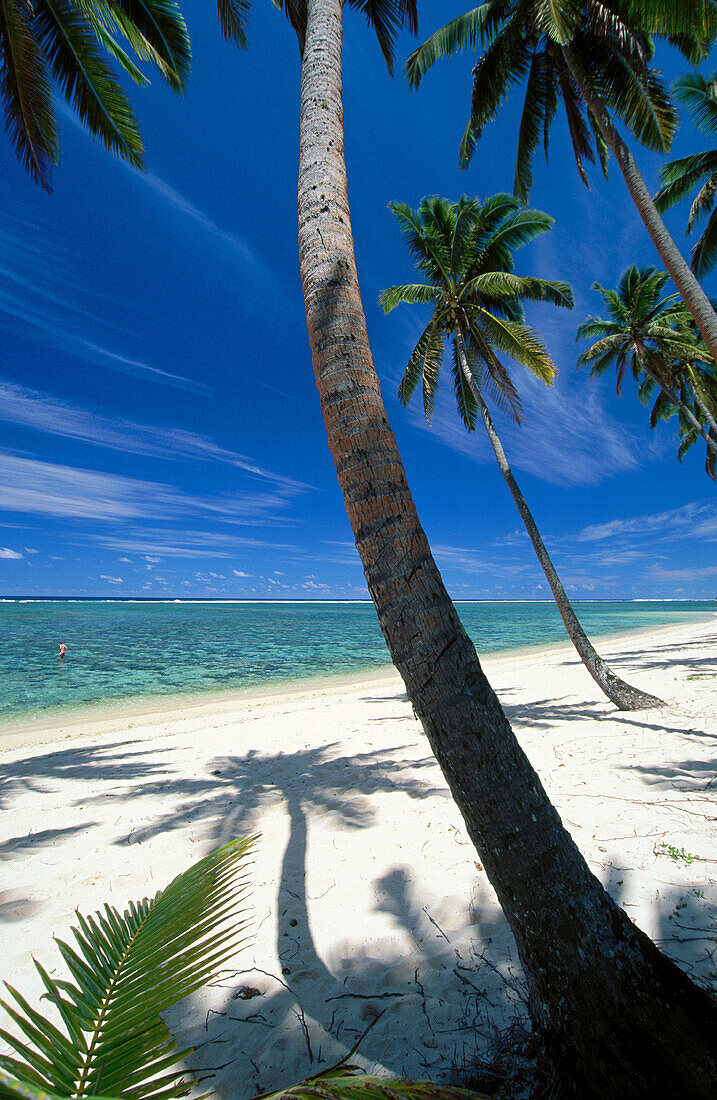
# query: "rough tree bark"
624, 696
686, 282
620, 1018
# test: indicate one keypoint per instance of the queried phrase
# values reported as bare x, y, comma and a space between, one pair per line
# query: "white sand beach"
367, 895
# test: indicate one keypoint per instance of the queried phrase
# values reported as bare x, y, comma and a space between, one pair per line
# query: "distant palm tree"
679, 177
594, 56
56, 45
664, 409
464, 251
651, 336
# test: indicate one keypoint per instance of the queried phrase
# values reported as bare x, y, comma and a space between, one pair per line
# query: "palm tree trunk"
624, 696
620, 1018
676, 400
689, 287
701, 404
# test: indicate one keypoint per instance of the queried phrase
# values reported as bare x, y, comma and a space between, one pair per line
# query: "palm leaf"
233, 15
87, 83
698, 95
704, 254
13, 1089
503, 65
464, 32
680, 176
533, 122
26, 92
410, 294
126, 969
423, 366
520, 342
465, 401
157, 32
558, 19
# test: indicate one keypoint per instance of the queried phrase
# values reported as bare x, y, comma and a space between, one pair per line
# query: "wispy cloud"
44, 413
6, 552
696, 520
51, 489
39, 289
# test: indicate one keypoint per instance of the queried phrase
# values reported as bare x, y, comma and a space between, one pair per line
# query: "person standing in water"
63, 650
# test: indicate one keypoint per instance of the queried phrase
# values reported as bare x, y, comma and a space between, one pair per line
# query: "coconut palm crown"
653, 337
465, 252
50, 46
386, 17
538, 44
679, 177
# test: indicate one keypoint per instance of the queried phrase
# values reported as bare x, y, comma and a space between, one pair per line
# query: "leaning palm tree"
464, 251
592, 973
679, 177
594, 55
50, 46
650, 335
664, 409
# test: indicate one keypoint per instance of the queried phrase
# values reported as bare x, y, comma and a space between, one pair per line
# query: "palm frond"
353, 1087
156, 31
26, 92
126, 969
426, 359
641, 101
386, 17
233, 18
501, 67
496, 380
533, 122
520, 342
465, 401
558, 19
465, 32
84, 78
680, 176
699, 96
410, 294
704, 254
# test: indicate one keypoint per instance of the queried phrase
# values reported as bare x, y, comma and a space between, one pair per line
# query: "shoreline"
368, 901
18, 730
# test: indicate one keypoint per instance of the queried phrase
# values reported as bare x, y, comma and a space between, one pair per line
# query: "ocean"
120, 650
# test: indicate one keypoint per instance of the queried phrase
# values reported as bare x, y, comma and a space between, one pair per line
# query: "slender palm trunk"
675, 398
689, 287
701, 404
620, 1017
624, 696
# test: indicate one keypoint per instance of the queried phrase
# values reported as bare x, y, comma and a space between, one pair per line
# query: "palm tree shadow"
273, 1023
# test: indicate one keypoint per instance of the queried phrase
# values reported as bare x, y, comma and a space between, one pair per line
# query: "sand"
367, 896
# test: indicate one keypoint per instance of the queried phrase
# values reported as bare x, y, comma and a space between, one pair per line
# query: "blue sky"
160, 432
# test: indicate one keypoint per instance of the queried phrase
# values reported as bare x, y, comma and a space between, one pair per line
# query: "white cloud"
696, 520
6, 552
112, 580
240, 573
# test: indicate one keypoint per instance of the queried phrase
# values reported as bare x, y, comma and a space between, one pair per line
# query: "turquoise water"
119, 651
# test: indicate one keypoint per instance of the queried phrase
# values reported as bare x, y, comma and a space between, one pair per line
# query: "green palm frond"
521, 343
465, 32
13, 1089
680, 176
410, 294
699, 95
163, 33
426, 359
533, 122
26, 91
641, 101
465, 401
501, 67
559, 19
84, 78
496, 381
126, 970
529, 289
703, 202
386, 17
233, 17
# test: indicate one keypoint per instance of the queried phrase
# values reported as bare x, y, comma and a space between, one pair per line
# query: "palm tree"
679, 177
663, 409
464, 251
594, 56
56, 45
650, 335
592, 973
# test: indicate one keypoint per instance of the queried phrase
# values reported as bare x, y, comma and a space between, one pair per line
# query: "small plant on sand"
677, 855
130, 968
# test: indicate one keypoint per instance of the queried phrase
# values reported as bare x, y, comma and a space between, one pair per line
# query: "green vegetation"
677, 855
47, 46
129, 969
